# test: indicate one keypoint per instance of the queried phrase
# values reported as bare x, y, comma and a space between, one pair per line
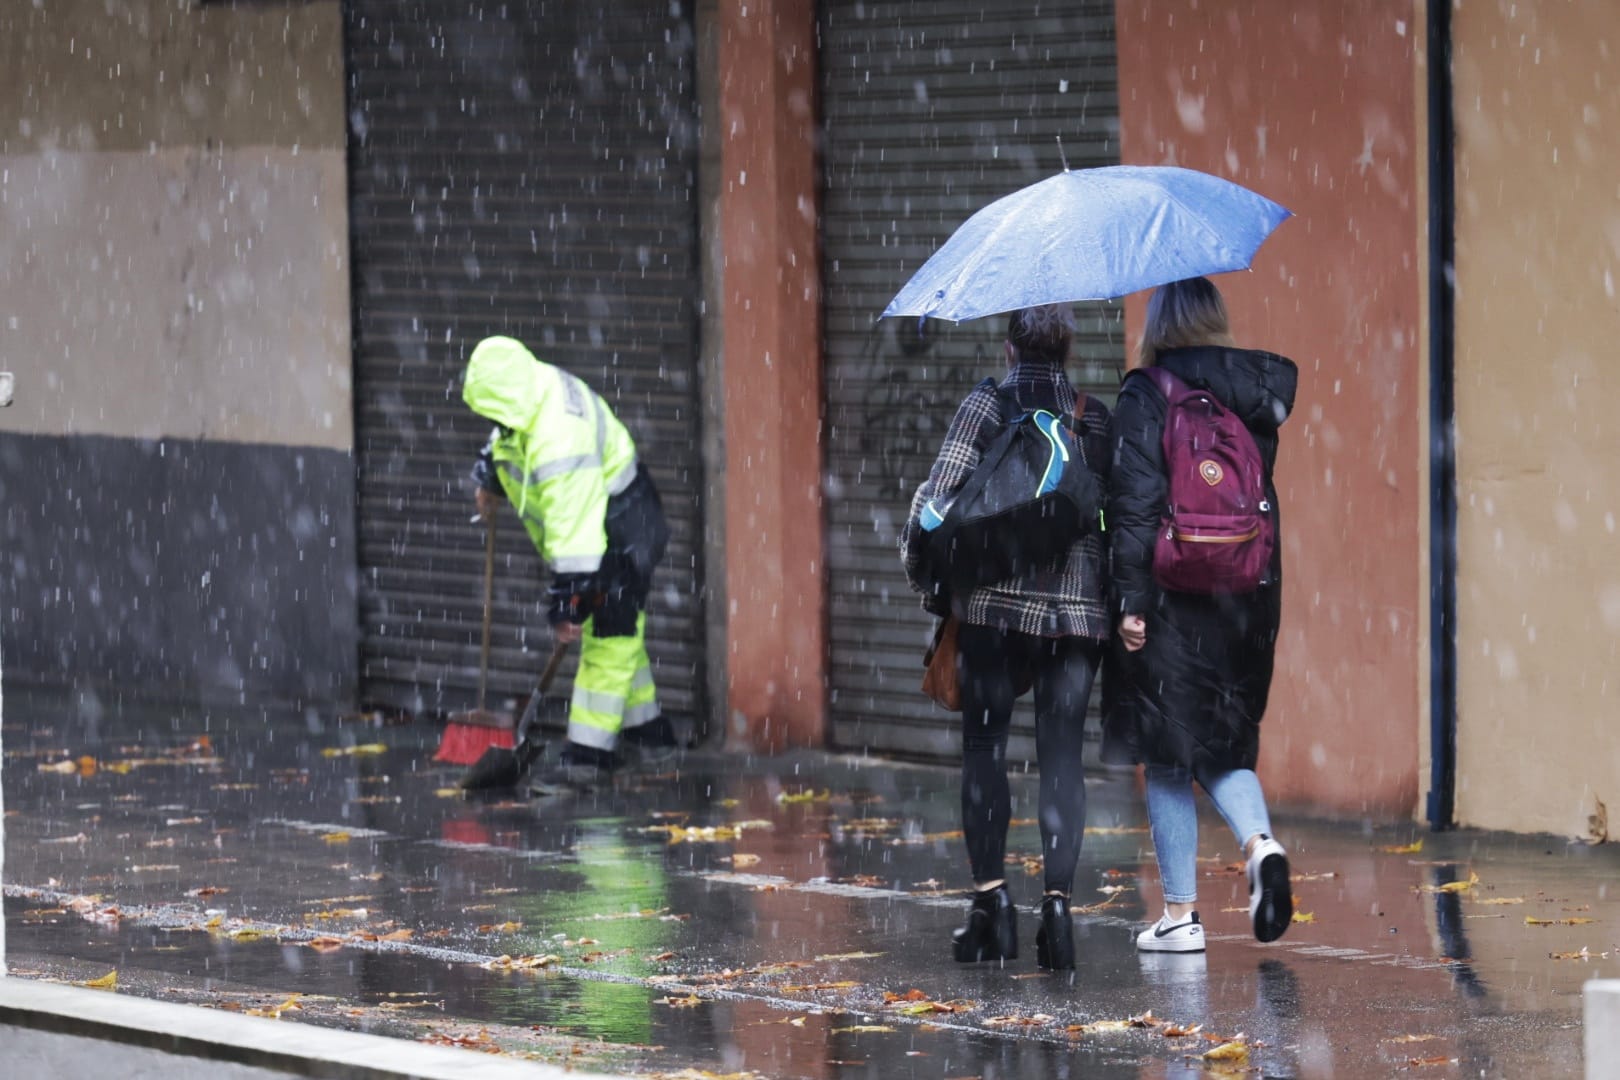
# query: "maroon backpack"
1218, 532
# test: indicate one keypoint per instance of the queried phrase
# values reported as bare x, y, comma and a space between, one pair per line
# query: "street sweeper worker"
569, 468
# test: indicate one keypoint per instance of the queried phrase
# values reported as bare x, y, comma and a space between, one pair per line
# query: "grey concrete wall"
174, 281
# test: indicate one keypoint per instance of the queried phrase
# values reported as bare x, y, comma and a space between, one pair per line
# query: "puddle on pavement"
750, 883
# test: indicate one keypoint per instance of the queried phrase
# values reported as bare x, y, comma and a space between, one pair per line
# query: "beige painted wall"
1538, 258
173, 221
1319, 111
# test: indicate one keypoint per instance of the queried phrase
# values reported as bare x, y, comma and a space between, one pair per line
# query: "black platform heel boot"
991, 932
1054, 941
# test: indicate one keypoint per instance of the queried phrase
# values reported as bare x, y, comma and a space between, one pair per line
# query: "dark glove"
571, 598
483, 473
937, 603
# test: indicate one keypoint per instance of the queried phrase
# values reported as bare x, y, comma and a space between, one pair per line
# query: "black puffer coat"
1195, 693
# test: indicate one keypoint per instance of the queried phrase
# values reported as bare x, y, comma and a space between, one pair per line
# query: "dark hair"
1182, 313
1042, 333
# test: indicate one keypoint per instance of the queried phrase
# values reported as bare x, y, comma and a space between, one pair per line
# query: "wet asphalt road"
756, 916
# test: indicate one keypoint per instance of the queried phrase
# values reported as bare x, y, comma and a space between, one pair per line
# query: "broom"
467, 735
503, 767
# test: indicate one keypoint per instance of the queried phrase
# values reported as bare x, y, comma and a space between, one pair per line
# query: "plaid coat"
1064, 599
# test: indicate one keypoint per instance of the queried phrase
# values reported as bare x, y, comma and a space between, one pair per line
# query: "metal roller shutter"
932, 109
524, 168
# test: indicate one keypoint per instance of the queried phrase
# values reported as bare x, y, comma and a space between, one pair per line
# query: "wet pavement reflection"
781, 916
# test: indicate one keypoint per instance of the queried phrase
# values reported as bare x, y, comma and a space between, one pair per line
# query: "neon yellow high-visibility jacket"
560, 452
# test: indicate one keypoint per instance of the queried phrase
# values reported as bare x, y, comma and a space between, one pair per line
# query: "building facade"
251, 245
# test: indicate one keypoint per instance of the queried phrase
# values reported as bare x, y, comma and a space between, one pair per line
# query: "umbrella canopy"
1090, 234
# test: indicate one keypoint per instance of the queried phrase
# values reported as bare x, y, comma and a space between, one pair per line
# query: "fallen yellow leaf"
812, 795
108, 981
275, 1011
1500, 900
849, 956
1453, 886
1305, 916
1412, 1038
363, 750
336, 837
857, 1028
1531, 920
1235, 1052
1404, 849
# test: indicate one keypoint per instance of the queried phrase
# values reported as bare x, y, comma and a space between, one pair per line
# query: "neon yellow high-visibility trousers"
613, 688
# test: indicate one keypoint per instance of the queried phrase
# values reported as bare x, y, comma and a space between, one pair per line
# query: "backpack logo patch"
1212, 473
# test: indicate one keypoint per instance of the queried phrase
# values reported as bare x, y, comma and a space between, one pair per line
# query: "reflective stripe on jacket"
559, 450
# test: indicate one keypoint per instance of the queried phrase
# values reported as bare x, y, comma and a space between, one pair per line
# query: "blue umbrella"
1090, 234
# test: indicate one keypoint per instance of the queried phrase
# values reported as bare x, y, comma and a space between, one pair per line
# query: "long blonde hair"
1183, 313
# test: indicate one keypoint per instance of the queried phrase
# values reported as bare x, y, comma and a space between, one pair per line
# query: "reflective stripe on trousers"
613, 688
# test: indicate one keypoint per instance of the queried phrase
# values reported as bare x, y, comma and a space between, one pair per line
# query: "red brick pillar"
771, 322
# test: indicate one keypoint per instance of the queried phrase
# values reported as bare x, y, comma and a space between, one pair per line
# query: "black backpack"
1026, 503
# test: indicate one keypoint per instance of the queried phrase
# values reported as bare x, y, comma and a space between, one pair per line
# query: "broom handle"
558, 651
489, 603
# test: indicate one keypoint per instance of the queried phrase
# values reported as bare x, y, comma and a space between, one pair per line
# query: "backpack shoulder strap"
1168, 384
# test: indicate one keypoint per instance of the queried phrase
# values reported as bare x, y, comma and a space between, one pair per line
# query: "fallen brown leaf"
680, 1002
501, 928
1531, 920
1037, 1020
1584, 954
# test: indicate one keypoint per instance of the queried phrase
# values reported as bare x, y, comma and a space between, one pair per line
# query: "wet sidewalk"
744, 916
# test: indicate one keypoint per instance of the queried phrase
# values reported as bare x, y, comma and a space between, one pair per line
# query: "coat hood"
503, 383
1258, 386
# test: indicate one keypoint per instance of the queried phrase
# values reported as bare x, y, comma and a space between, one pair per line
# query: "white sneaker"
1271, 901
1166, 936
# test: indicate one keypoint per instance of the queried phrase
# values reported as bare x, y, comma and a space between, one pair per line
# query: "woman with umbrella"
1046, 625
1187, 683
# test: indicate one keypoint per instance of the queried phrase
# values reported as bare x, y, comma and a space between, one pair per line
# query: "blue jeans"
1174, 818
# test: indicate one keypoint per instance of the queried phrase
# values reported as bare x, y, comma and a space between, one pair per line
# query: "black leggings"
989, 661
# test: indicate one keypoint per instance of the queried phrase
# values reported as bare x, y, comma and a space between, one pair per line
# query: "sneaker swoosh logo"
1158, 933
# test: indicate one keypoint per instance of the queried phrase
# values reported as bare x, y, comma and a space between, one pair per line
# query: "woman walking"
1044, 626
1187, 684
